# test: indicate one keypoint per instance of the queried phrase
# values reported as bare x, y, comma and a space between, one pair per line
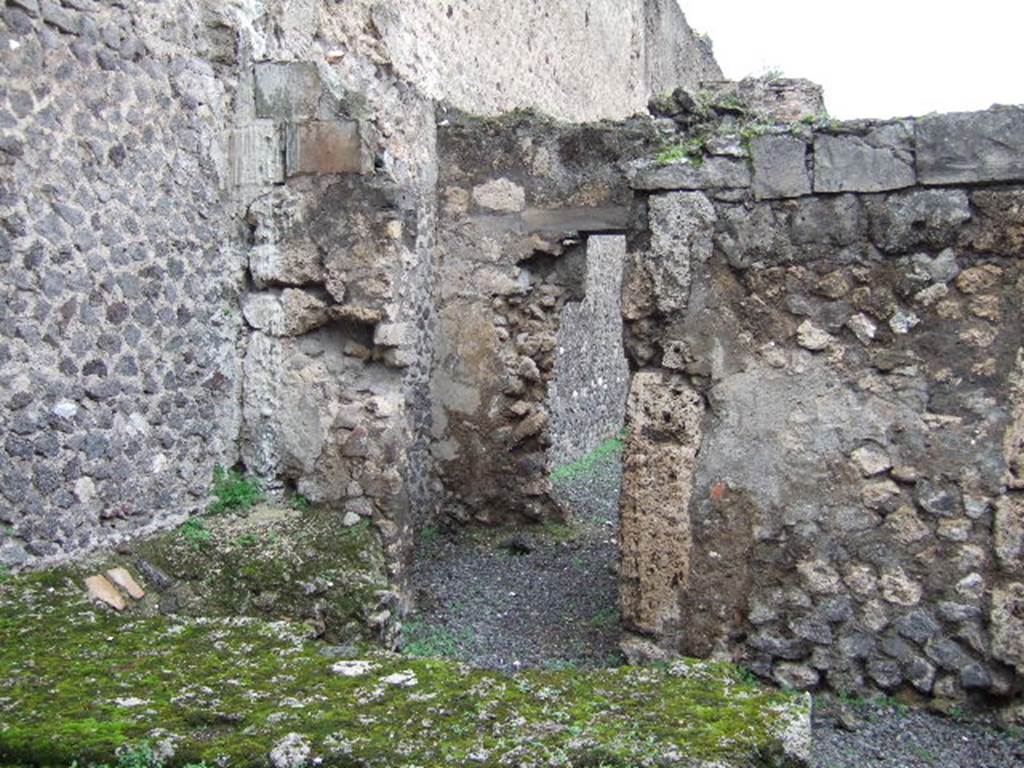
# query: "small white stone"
353, 668
902, 322
931, 294
809, 336
66, 409
971, 586
871, 461
131, 701
350, 519
863, 327
405, 679
290, 752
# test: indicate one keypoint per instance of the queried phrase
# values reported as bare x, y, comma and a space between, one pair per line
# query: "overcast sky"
876, 58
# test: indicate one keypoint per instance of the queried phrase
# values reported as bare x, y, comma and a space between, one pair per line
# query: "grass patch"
233, 492
425, 641
299, 503
194, 533
586, 464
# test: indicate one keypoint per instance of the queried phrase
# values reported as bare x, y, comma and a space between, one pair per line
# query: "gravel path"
548, 597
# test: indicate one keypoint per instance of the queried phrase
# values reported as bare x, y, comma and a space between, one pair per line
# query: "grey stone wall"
218, 241
118, 310
588, 392
824, 425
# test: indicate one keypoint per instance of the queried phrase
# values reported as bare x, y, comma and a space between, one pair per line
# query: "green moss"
691, 151
81, 682
277, 564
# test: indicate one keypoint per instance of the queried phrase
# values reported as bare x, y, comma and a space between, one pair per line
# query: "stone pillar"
663, 418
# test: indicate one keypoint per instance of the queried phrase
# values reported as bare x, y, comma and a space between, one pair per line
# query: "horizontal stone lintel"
560, 222
712, 173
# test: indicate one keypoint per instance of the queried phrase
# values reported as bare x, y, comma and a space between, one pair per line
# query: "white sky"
875, 59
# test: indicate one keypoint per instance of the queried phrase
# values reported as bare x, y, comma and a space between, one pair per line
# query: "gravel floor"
897, 737
548, 597
542, 596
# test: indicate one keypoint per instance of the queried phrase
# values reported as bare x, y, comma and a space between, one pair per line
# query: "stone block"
861, 164
394, 334
122, 578
1008, 539
780, 167
291, 312
1006, 617
713, 173
287, 90
969, 147
324, 147
664, 419
254, 155
682, 231
920, 218
101, 589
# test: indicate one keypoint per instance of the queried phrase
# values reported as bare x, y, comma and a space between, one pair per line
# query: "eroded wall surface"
572, 60
822, 473
219, 240
518, 198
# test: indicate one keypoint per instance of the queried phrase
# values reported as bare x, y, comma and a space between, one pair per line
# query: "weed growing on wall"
691, 151
234, 492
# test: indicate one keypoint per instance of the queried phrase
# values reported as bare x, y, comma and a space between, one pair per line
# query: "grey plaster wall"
572, 60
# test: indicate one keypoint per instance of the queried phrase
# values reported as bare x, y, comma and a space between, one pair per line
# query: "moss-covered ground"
273, 563
78, 682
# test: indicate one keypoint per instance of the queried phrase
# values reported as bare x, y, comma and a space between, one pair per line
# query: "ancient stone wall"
573, 60
821, 478
218, 239
119, 311
518, 198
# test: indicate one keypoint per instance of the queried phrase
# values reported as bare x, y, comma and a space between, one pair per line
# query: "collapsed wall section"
827, 330
517, 199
